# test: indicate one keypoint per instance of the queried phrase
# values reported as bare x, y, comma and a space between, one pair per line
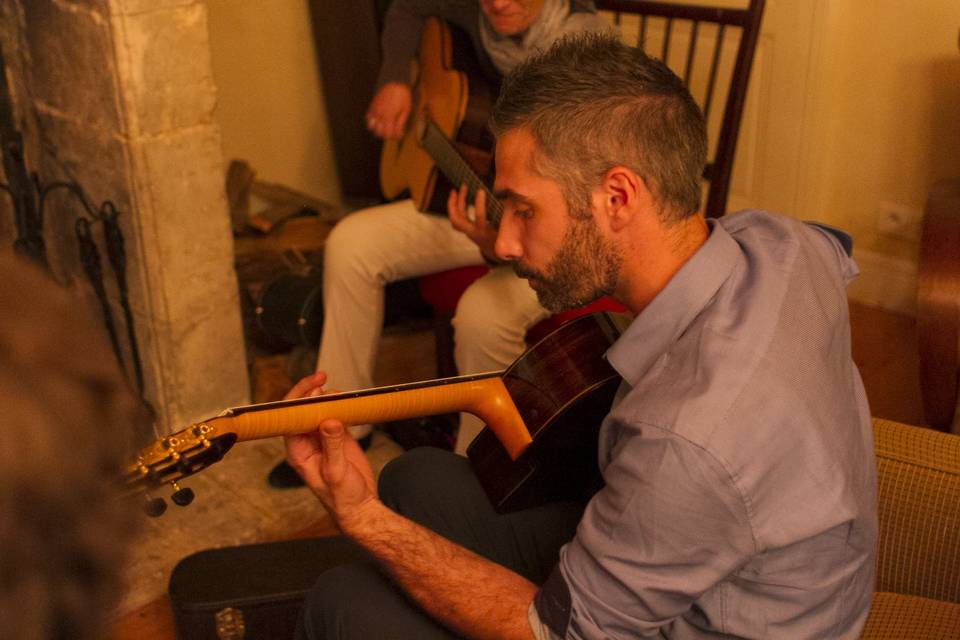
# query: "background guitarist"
382, 244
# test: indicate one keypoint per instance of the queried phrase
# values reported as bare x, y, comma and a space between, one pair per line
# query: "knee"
343, 248
419, 484
408, 475
336, 602
489, 330
477, 320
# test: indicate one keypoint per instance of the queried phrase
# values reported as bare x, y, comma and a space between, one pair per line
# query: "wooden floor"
884, 348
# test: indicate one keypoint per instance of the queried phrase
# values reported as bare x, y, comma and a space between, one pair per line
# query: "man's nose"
507, 245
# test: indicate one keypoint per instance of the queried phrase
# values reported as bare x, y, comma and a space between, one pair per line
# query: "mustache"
525, 272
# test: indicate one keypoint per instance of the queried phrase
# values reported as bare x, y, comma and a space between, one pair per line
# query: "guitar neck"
483, 395
451, 163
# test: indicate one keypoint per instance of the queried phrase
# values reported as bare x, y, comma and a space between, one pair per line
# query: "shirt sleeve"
400, 38
402, 26
669, 525
539, 629
842, 245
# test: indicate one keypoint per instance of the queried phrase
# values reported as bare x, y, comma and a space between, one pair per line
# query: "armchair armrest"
918, 473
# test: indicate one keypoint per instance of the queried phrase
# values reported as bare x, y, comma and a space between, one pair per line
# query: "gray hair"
592, 103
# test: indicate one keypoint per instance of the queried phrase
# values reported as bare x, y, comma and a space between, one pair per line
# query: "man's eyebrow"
510, 194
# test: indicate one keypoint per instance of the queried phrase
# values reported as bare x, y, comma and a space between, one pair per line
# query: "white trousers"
372, 247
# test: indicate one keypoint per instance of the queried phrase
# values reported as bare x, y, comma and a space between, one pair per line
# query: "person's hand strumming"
388, 111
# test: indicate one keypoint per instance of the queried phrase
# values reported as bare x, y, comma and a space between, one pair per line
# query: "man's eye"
524, 214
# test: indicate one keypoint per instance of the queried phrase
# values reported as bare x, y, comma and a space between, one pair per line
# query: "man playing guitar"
739, 481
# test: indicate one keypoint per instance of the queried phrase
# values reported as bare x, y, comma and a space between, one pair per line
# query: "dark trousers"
438, 490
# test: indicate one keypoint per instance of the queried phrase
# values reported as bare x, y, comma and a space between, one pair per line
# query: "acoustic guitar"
542, 416
447, 141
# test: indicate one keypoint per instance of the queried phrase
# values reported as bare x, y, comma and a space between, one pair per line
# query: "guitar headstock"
173, 458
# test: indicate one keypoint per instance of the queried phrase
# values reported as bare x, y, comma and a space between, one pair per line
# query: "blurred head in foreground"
67, 416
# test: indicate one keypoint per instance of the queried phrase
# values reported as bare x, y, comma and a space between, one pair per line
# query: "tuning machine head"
182, 496
156, 507
171, 459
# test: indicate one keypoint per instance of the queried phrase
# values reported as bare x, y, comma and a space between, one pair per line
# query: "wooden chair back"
692, 40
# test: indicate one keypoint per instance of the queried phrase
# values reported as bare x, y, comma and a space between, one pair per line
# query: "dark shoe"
283, 476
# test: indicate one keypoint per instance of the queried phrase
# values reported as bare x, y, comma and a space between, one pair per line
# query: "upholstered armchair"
918, 560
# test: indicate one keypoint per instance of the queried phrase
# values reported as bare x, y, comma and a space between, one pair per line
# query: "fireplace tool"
29, 196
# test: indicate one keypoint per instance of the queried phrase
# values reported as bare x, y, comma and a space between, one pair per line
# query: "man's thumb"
332, 433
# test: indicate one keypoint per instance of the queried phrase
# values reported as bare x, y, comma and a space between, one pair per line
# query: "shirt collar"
673, 309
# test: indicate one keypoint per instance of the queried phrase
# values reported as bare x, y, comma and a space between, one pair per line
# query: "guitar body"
451, 89
562, 387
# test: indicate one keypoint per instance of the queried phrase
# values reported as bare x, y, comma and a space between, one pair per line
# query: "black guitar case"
251, 592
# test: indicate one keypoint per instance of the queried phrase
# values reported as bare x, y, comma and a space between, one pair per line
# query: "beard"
585, 268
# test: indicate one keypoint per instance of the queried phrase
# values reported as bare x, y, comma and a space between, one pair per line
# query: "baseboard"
886, 282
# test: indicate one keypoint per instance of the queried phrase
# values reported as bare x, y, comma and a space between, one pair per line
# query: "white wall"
889, 130
270, 101
856, 113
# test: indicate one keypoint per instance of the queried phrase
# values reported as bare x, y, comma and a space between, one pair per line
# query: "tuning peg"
200, 431
181, 496
184, 467
154, 507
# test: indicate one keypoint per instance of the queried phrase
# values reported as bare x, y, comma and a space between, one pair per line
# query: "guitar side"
563, 388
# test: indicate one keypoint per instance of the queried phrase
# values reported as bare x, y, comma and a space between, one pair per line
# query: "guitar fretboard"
456, 169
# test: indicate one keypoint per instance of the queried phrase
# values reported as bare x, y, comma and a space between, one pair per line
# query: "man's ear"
622, 194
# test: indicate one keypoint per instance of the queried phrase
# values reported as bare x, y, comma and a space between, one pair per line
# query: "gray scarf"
506, 52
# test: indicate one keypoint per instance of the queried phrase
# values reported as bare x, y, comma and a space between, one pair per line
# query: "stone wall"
118, 95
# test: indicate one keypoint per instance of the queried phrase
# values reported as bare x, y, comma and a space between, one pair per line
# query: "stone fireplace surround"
118, 95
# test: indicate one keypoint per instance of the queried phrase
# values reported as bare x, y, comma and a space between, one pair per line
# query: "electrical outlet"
899, 220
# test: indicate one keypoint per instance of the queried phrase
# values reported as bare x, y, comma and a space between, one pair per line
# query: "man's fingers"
452, 203
480, 207
306, 386
319, 456
301, 447
468, 209
456, 209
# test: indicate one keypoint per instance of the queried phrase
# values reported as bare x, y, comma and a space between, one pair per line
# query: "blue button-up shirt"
740, 493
